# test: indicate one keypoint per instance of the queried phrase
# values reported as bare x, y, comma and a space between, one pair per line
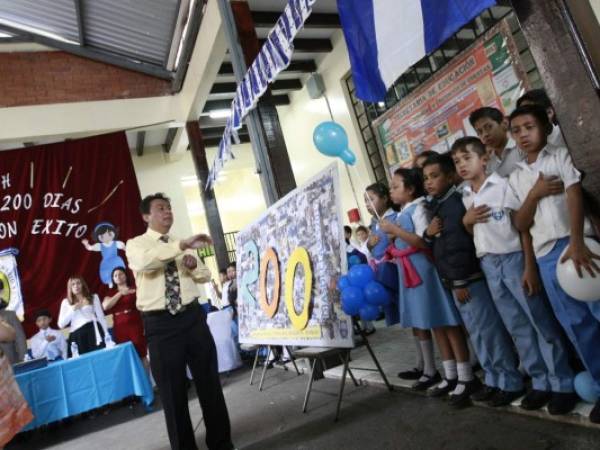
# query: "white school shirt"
224, 295
76, 318
556, 137
551, 220
498, 235
41, 348
419, 216
507, 162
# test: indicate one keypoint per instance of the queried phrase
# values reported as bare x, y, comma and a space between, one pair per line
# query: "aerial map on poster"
288, 262
433, 116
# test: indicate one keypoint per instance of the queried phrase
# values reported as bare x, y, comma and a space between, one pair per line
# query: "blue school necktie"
172, 286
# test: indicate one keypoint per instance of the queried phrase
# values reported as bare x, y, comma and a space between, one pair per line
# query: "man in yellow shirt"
166, 271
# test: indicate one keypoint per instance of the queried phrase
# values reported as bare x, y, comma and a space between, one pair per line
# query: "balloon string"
356, 170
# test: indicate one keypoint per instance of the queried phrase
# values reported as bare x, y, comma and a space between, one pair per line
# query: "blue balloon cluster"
331, 139
361, 294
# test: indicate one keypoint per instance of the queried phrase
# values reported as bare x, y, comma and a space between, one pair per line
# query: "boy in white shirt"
511, 273
540, 98
546, 198
48, 342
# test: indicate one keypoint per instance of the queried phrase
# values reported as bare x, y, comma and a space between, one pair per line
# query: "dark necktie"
172, 286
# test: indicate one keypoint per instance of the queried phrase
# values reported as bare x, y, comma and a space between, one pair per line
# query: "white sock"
419, 354
442, 385
472, 355
459, 389
428, 362
449, 369
465, 371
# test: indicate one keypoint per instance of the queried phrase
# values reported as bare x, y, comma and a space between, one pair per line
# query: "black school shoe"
464, 399
441, 391
535, 399
562, 403
595, 413
430, 381
484, 394
505, 398
413, 374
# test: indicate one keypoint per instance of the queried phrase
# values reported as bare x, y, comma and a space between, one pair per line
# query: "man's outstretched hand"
196, 241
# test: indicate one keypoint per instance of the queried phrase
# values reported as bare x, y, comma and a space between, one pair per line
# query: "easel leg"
293, 360
265, 365
376, 361
254, 365
309, 387
342, 383
349, 371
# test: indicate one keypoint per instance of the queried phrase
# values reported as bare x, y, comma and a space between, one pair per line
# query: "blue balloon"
369, 312
343, 283
360, 275
352, 300
376, 294
331, 139
354, 260
585, 387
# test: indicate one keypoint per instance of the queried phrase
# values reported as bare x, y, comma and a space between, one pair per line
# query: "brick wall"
37, 78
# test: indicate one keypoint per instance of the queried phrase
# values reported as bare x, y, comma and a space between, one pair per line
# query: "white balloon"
586, 289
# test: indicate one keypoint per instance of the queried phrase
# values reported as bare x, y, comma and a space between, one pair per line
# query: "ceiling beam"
79, 15
309, 45
91, 53
171, 133
301, 66
139, 144
267, 19
212, 105
194, 22
279, 85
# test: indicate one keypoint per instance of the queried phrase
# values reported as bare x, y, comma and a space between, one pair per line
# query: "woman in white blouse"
82, 312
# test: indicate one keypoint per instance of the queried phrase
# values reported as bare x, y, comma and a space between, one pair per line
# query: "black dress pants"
175, 341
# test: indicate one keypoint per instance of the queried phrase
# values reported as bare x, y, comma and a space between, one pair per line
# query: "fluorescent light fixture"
219, 113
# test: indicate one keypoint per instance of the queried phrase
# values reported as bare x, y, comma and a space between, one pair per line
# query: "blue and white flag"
386, 37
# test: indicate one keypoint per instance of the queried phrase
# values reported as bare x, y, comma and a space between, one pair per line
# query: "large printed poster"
489, 73
288, 261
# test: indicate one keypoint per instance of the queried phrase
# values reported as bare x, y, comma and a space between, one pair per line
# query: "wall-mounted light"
219, 113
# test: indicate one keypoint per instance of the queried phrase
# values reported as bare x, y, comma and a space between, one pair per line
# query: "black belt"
164, 312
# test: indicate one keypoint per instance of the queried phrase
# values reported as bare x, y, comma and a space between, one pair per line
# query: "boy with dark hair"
545, 196
508, 263
457, 263
47, 343
540, 98
492, 128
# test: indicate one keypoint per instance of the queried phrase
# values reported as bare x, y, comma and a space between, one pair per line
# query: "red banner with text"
52, 198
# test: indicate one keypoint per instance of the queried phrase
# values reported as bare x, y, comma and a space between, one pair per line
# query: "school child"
508, 263
352, 251
457, 263
545, 197
540, 98
362, 237
492, 128
424, 302
47, 343
379, 204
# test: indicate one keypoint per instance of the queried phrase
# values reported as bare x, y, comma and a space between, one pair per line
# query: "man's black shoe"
505, 398
562, 403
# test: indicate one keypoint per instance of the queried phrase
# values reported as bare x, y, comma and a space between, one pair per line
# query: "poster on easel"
288, 262
433, 116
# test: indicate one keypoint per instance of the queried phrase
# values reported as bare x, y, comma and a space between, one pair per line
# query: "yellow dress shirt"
147, 256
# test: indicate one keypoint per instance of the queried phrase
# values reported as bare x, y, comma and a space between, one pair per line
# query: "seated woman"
82, 312
127, 320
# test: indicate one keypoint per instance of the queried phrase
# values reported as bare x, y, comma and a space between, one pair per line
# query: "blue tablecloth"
67, 388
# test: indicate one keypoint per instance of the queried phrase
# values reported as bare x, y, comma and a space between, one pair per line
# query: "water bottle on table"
74, 350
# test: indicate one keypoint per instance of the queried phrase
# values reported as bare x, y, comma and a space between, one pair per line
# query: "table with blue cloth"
71, 387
